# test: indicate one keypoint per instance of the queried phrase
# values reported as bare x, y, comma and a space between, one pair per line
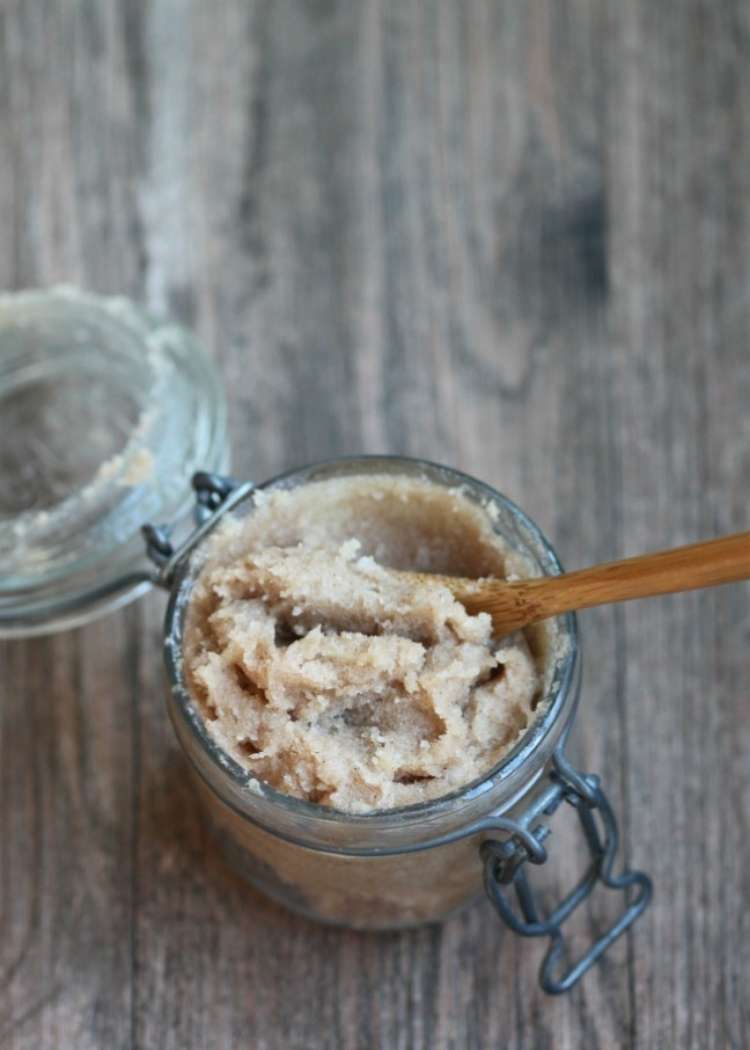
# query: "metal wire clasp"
215, 495
504, 865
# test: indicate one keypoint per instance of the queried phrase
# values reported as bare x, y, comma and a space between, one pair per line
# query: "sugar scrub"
328, 677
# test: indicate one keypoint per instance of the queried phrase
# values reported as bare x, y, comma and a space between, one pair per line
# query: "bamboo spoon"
523, 602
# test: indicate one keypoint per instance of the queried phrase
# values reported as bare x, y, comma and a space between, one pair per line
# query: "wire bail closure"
505, 860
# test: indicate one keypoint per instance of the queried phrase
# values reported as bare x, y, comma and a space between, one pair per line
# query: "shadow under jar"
416, 864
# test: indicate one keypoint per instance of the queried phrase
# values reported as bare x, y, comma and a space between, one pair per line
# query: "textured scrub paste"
326, 676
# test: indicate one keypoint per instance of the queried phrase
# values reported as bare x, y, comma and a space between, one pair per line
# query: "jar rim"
505, 770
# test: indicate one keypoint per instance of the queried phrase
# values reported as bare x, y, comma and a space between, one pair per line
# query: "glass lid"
105, 414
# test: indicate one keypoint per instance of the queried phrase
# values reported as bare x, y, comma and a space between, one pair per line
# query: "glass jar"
417, 864
107, 415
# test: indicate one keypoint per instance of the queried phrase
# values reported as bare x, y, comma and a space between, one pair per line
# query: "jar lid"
105, 414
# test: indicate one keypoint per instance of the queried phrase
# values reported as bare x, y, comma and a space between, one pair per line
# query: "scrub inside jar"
327, 676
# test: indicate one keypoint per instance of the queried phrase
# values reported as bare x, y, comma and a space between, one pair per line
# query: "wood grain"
514, 237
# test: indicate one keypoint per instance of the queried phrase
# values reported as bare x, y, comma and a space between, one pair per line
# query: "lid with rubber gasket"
105, 414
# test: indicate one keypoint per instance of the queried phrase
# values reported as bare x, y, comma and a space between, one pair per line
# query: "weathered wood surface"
511, 236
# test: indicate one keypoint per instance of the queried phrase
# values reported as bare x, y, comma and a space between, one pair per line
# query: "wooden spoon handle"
706, 564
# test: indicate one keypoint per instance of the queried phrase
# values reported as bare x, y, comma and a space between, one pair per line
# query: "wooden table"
511, 236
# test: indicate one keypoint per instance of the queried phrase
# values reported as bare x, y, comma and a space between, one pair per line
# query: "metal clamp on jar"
76, 554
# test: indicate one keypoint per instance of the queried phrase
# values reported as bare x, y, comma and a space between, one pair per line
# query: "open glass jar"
382, 870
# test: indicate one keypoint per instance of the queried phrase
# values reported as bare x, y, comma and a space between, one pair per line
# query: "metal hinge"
505, 865
215, 495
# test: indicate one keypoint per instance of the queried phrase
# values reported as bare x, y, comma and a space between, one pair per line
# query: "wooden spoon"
523, 602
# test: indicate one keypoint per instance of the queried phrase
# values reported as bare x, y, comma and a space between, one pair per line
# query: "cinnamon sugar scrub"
326, 676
